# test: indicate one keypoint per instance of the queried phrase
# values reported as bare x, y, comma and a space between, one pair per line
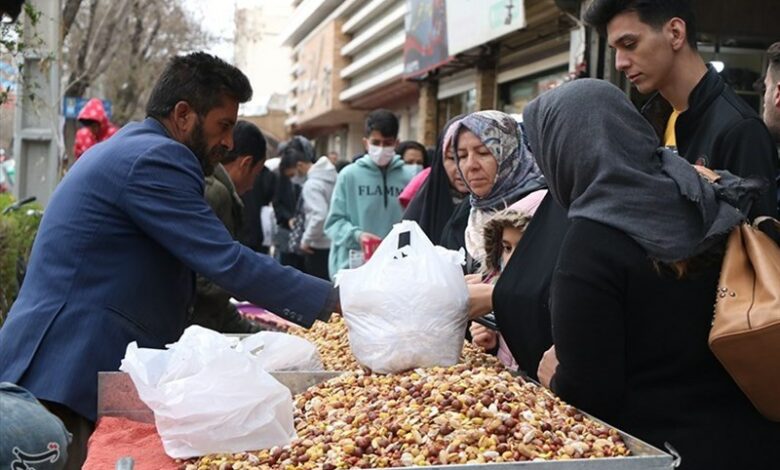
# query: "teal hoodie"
365, 199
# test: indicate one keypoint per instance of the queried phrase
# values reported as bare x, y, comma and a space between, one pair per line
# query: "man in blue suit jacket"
119, 243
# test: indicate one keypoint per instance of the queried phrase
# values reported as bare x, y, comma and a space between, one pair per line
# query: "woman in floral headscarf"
496, 166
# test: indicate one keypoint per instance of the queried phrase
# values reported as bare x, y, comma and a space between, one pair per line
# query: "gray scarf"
517, 174
601, 162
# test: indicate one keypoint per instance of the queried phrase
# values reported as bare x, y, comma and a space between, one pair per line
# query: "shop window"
463, 103
515, 95
740, 68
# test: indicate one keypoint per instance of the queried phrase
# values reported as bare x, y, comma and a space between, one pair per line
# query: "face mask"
298, 179
416, 167
381, 155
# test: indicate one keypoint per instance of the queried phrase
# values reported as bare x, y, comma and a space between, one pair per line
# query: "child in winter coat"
501, 235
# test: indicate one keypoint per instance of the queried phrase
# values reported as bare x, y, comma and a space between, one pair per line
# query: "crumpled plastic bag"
282, 352
406, 307
209, 396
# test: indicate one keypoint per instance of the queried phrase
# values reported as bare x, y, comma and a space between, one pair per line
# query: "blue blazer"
114, 262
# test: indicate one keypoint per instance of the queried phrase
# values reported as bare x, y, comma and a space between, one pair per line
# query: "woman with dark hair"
635, 281
437, 200
413, 153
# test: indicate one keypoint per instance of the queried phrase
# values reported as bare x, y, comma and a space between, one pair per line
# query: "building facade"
429, 60
349, 58
257, 47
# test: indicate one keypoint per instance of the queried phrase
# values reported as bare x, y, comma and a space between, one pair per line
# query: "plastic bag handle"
760, 220
404, 239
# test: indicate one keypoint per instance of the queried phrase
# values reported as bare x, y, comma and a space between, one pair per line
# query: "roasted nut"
474, 412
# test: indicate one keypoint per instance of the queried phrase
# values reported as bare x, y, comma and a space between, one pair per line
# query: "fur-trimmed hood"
492, 234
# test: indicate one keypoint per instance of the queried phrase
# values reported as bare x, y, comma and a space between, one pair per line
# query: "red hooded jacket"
85, 138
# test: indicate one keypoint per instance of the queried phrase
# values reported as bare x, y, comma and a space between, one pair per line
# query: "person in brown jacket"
224, 188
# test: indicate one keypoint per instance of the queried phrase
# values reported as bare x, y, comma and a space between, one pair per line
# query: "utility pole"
37, 134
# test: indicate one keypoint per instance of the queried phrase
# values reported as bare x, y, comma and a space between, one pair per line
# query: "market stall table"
117, 398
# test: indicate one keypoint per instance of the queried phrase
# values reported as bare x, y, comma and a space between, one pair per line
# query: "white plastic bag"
282, 352
406, 307
209, 396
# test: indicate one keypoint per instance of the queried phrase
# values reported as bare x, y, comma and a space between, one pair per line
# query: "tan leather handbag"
745, 335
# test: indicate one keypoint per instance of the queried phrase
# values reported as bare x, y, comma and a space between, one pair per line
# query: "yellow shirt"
670, 139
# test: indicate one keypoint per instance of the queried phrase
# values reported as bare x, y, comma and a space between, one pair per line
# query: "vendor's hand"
366, 236
547, 367
290, 223
483, 337
473, 278
706, 173
307, 249
480, 300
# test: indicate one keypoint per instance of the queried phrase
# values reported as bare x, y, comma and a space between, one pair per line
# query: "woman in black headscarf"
437, 206
635, 281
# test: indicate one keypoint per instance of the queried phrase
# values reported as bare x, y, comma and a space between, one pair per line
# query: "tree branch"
69, 16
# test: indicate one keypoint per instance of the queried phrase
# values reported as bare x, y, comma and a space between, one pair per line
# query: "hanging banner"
317, 73
471, 23
426, 37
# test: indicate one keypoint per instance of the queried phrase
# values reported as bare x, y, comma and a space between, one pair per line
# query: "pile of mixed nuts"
438, 416
332, 342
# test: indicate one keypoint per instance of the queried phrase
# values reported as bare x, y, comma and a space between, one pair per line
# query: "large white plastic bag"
407, 307
282, 352
209, 397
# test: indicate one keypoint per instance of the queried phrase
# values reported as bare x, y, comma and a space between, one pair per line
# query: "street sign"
72, 106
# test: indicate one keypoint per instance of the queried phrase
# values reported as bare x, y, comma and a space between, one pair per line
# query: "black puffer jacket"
720, 131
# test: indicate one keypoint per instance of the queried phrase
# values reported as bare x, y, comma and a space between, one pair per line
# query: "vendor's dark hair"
200, 79
773, 57
382, 120
12, 8
652, 12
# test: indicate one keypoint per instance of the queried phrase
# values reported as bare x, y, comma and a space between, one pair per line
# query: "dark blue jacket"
113, 263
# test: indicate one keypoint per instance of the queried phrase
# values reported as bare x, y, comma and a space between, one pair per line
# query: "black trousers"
316, 264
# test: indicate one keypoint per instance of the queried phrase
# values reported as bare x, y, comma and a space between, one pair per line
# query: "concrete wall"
258, 49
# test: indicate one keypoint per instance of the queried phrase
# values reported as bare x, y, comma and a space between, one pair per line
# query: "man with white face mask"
365, 200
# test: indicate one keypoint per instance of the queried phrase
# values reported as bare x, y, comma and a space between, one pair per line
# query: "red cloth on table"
115, 438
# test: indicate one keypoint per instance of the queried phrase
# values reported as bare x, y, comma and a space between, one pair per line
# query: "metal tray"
118, 397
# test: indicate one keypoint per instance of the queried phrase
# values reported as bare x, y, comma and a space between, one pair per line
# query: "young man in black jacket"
693, 110
772, 99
